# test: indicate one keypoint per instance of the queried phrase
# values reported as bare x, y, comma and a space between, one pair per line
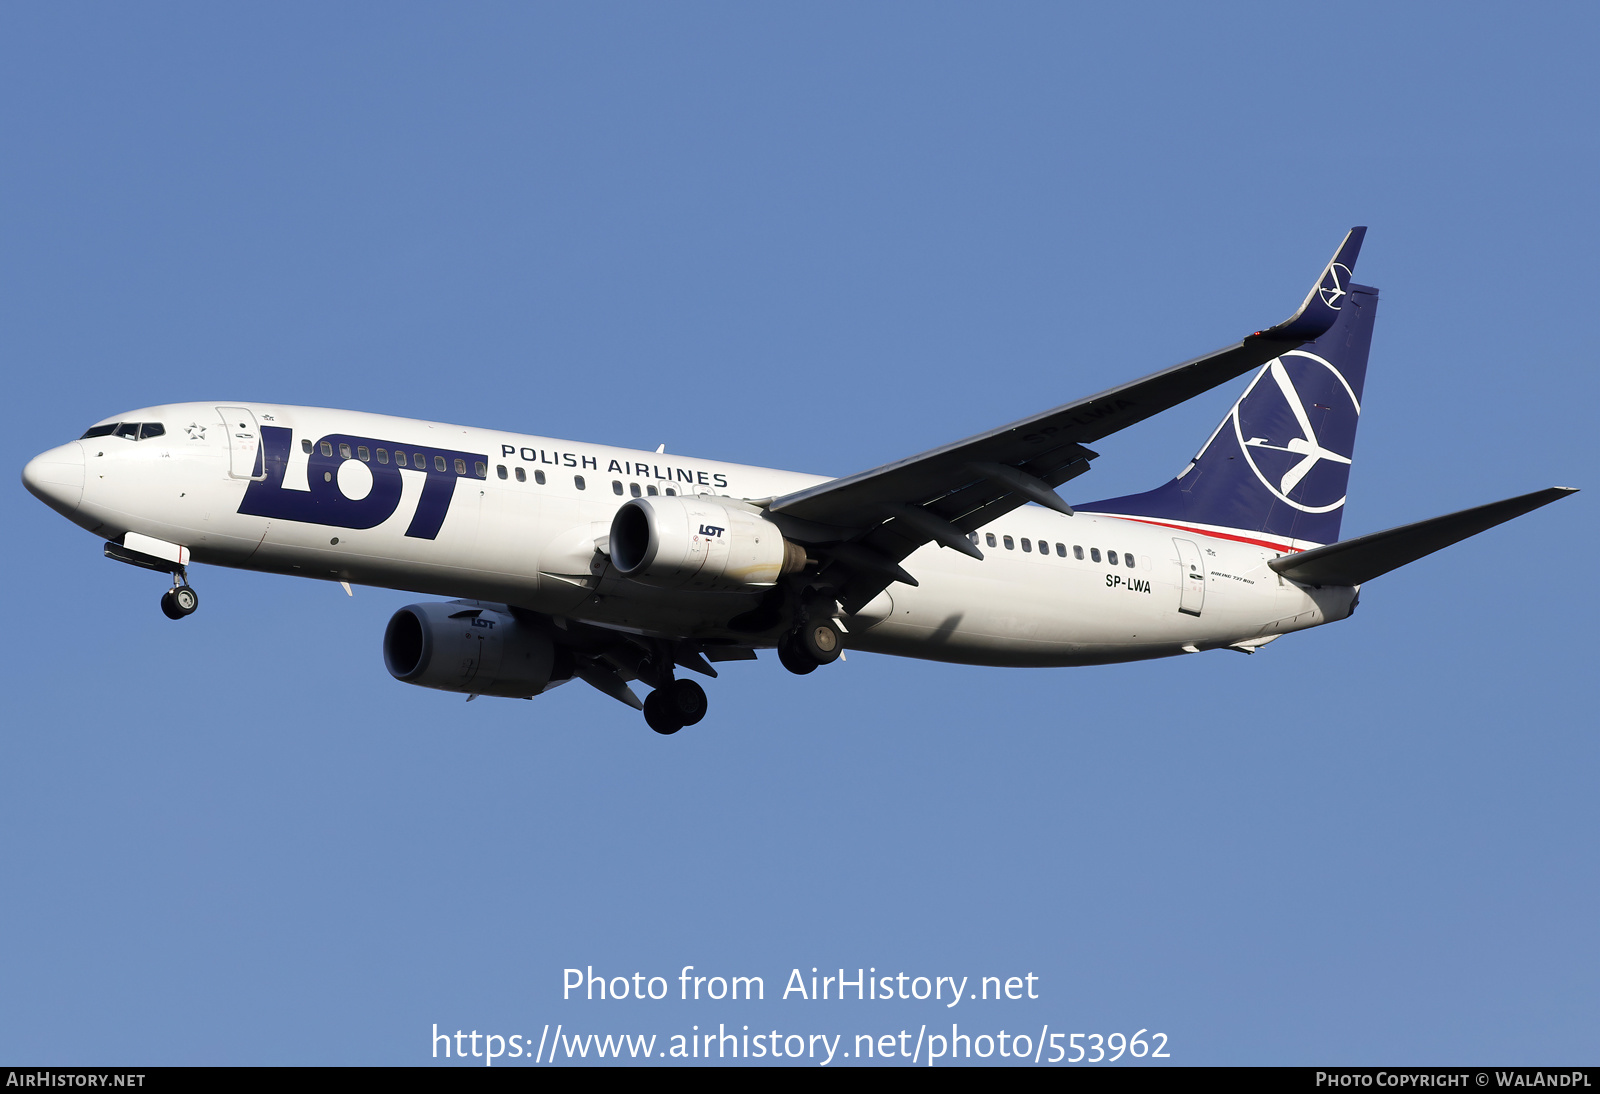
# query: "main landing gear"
675, 704
180, 600
817, 641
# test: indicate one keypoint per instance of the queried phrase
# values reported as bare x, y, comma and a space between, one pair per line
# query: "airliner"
567, 561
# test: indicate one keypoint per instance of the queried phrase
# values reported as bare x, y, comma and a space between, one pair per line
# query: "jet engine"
475, 648
696, 542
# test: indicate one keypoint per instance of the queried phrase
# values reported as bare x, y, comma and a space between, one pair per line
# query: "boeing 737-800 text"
577, 561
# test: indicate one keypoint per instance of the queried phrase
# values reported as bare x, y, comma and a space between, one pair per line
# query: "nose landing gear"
180, 600
176, 602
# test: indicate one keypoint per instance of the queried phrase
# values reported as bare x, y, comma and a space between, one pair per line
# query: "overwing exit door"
1192, 582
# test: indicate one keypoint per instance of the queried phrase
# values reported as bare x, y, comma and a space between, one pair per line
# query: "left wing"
863, 525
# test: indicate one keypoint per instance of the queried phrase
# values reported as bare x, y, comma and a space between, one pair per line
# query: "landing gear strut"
180, 600
676, 704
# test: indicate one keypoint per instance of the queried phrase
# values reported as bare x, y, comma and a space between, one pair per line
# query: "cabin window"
671, 493
650, 490
1127, 560
500, 469
616, 487
422, 461
480, 469
1010, 546
399, 458
1094, 554
1111, 557
305, 445
989, 538
461, 467
438, 463
344, 452
1061, 549
538, 476
1077, 553
577, 480
1027, 546
383, 455
327, 449
364, 453
633, 488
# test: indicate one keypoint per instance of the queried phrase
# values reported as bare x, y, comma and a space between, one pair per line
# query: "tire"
659, 715
794, 659
168, 608
185, 599
688, 701
821, 641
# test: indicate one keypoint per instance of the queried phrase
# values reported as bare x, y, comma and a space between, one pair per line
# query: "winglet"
1321, 305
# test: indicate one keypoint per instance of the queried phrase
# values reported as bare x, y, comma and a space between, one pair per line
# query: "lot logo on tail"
1296, 425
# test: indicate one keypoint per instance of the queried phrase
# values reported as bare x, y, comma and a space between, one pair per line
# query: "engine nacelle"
475, 648
696, 542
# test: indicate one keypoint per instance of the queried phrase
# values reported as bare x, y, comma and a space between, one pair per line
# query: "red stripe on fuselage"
1206, 532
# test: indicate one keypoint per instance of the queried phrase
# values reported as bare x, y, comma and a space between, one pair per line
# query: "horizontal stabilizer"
1359, 560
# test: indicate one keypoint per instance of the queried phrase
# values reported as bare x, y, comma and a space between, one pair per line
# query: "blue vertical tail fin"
1277, 467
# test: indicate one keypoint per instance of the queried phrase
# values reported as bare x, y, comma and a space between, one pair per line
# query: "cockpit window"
133, 431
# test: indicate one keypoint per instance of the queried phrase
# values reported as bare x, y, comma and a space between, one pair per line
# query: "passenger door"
244, 443
1192, 581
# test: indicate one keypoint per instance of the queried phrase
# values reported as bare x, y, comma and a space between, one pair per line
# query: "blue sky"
818, 237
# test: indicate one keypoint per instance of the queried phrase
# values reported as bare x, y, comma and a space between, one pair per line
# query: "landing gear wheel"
688, 700
795, 659
168, 608
821, 641
660, 715
185, 599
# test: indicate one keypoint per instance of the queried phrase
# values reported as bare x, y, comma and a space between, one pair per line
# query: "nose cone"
56, 477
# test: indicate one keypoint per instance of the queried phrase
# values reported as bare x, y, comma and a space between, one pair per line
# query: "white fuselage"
500, 534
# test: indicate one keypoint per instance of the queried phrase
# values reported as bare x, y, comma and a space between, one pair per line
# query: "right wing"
865, 524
